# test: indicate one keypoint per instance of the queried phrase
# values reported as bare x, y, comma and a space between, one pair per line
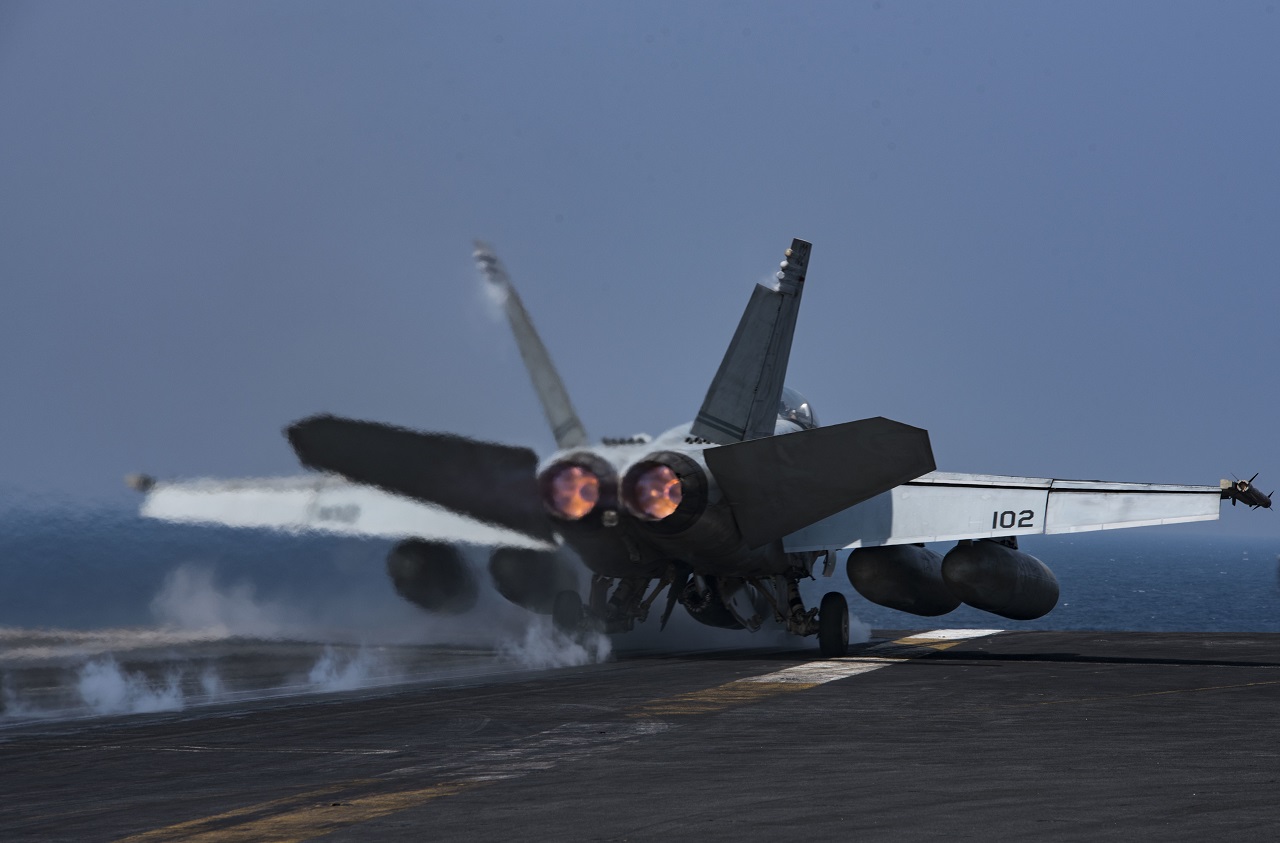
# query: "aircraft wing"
942, 506
318, 503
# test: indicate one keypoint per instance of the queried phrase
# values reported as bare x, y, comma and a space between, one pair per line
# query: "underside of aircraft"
723, 516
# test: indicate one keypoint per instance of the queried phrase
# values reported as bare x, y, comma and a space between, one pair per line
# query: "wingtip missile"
1246, 493
140, 482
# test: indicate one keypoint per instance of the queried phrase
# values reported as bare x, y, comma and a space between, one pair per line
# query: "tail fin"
742, 402
565, 424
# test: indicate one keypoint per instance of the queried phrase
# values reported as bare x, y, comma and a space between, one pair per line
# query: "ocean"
104, 612
97, 568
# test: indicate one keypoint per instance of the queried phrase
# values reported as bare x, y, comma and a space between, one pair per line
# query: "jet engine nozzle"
665, 489
577, 485
656, 493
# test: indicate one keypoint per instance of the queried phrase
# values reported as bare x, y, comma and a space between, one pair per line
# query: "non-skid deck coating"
1012, 735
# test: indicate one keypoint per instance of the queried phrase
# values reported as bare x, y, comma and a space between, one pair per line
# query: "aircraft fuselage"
617, 538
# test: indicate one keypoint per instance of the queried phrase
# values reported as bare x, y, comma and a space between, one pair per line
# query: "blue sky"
1045, 232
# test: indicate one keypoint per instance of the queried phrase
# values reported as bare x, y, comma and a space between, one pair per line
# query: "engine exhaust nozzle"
666, 490
578, 486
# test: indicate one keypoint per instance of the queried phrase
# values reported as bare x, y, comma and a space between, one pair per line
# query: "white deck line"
829, 670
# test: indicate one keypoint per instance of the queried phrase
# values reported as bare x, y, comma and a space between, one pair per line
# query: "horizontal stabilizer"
489, 482
779, 484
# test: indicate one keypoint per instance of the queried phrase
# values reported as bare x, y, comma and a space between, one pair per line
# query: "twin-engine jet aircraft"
724, 515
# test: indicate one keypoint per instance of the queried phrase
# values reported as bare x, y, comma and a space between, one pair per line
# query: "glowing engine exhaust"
657, 493
667, 490
578, 486
675, 501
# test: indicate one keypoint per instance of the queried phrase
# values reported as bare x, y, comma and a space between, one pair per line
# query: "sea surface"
90, 569
104, 612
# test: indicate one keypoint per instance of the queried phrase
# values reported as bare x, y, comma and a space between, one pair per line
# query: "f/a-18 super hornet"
723, 516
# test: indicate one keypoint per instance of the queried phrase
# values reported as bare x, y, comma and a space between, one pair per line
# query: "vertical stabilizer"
565, 424
742, 402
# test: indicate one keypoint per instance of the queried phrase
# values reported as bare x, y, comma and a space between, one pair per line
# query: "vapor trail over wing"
565, 424
489, 482
319, 503
779, 484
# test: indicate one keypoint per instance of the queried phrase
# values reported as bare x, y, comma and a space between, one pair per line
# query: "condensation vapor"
106, 689
223, 639
141, 683
543, 646
217, 642
495, 298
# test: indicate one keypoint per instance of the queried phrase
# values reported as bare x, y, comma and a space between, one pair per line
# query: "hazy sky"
1045, 232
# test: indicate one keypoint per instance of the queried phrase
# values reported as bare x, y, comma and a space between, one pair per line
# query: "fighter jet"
722, 516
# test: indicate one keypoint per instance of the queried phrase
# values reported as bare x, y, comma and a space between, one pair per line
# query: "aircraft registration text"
1010, 519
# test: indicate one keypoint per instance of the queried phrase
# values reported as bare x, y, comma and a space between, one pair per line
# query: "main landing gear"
833, 625
631, 598
829, 620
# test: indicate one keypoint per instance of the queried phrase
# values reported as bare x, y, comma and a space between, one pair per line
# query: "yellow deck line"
306, 822
301, 821
184, 830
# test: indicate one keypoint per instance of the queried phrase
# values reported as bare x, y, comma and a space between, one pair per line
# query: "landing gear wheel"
833, 625
567, 613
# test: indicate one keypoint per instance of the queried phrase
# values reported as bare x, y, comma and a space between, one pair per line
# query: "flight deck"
914, 735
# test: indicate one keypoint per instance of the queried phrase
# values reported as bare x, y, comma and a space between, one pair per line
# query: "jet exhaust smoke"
543, 646
106, 689
221, 641
335, 672
190, 599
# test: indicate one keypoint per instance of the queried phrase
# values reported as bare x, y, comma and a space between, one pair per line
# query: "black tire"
833, 625
567, 613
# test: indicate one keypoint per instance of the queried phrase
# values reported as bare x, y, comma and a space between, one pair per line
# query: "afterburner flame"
657, 493
573, 492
